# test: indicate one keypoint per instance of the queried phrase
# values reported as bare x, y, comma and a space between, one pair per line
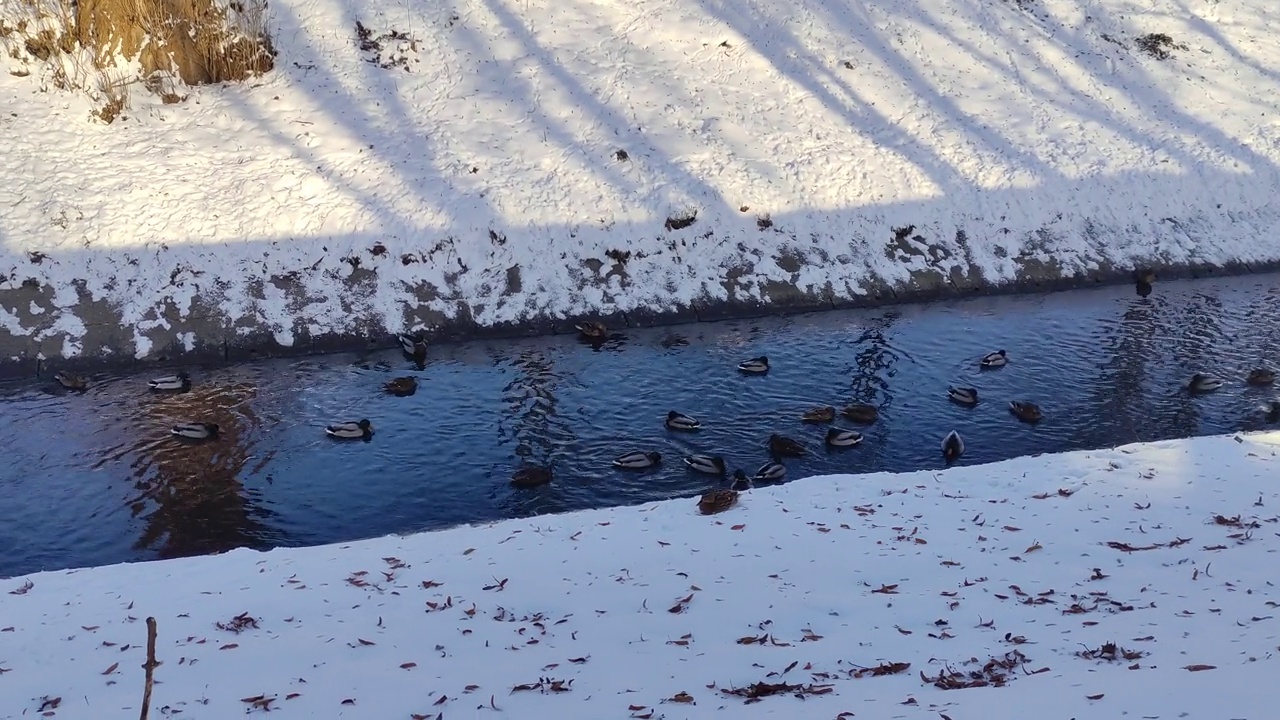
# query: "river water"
95, 478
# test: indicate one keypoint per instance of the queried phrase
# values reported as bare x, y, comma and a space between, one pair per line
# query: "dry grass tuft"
103, 47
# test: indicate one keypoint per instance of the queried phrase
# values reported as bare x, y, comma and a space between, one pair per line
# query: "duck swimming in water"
952, 446
754, 366
861, 413
195, 430
1201, 383
781, 445
966, 396
1261, 376
994, 360
358, 430
531, 476
771, 471
819, 415
413, 345
401, 386
707, 464
592, 330
637, 460
680, 421
1026, 411
172, 383
843, 438
71, 381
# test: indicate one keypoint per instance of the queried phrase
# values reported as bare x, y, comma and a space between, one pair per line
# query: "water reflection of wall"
189, 495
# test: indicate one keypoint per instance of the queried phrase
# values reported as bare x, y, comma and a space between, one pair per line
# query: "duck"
401, 386
717, 501
172, 383
781, 445
771, 471
414, 345
1272, 409
592, 330
680, 421
843, 438
818, 415
1026, 411
741, 483
708, 464
71, 381
358, 430
994, 359
195, 430
1261, 376
861, 413
531, 476
963, 395
1201, 383
755, 366
637, 460
952, 446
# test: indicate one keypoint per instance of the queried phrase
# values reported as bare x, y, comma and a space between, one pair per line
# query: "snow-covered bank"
497, 161
1165, 550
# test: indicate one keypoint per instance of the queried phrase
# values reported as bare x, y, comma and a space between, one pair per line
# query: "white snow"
631, 607
1037, 128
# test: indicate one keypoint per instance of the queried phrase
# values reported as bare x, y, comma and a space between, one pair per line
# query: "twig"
149, 666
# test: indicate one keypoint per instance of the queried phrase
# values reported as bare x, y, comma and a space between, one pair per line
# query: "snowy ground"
1135, 582
470, 169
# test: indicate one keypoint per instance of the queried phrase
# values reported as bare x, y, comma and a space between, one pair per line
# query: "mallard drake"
709, 464
401, 386
963, 395
781, 445
755, 366
1201, 383
717, 501
680, 421
741, 483
592, 330
359, 430
1026, 411
531, 476
952, 446
70, 380
414, 345
860, 413
195, 430
637, 460
819, 415
994, 360
1261, 376
771, 471
843, 438
171, 383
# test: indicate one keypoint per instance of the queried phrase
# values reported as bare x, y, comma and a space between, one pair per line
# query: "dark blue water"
94, 478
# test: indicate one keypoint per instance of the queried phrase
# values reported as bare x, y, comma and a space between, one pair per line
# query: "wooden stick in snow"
149, 666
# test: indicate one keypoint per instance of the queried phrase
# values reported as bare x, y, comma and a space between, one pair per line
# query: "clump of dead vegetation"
103, 48
1158, 45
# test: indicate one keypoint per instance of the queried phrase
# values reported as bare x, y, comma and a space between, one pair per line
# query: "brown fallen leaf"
681, 697
468, 551
1011, 528
1094, 697
1034, 547
579, 660
443, 699
737, 527
349, 701
681, 604
111, 669
636, 708
406, 666
362, 641
26, 586
229, 646
1198, 668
